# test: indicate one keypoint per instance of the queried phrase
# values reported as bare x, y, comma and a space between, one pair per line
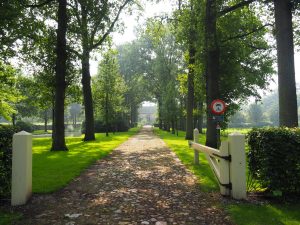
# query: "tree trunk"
46, 120
86, 79
58, 142
200, 119
88, 100
160, 122
288, 115
13, 118
190, 95
133, 114
173, 127
212, 68
106, 114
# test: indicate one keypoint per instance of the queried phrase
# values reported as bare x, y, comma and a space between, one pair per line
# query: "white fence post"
196, 140
21, 168
224, 169
237, 165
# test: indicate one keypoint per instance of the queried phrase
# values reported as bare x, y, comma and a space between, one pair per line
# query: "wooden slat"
204, 148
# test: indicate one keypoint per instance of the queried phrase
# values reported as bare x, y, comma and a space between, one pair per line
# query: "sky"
154, 9
132, 21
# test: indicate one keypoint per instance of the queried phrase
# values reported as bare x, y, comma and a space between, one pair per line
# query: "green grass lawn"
9, 218
241, 214
53, 170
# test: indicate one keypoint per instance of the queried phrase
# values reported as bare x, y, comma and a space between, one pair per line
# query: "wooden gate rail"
228, 163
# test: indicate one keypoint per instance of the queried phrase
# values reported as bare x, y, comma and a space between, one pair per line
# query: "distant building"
147, 114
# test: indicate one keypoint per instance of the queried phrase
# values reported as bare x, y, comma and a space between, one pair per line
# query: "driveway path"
141, 182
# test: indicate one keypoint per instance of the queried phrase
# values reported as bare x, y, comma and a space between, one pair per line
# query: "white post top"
23, 133
196, 130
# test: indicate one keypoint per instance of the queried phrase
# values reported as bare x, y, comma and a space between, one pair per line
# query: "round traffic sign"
218, 106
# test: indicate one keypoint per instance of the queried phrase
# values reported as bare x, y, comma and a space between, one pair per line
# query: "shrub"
274, 158
28, 127
41, 127
117, 126
6, 133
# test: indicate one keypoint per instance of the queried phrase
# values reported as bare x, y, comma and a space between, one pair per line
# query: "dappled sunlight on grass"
53, 170
248, 214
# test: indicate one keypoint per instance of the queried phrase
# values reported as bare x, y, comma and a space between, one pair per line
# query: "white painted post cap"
22, 133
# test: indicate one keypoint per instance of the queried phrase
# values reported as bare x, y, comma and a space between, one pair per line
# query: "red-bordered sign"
218, 106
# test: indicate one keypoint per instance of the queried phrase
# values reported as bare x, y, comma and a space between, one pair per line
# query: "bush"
118, 126
274, 158
6, 133
28, 127
41, 127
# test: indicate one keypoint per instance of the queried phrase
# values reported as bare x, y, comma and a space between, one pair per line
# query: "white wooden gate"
228, 163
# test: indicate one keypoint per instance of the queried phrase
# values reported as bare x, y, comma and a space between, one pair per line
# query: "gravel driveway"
141, 182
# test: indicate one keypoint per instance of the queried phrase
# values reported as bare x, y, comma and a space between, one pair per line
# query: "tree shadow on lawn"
53, 170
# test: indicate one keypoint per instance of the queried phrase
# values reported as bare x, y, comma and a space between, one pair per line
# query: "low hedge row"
118, 126
22, 125
6, 133
274, 159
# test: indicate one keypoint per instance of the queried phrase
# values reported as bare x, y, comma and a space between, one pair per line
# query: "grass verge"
53, 170
242, 213
9, 218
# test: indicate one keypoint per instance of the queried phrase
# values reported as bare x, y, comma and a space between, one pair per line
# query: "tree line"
205, 50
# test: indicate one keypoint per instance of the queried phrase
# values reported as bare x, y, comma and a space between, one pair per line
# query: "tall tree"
191, 73
212, 67
222, 21
58, 143
109, 88
93, 21
288, 113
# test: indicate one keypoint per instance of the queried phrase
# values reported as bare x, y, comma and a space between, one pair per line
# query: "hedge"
274, 159
22, 125
118, 126
6, 133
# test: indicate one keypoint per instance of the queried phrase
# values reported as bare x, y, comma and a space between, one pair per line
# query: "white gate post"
237, 165
21, 168
196, 140
224, 169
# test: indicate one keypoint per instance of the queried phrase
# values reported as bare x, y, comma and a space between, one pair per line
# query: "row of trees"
32, 30
206, 50
229, 57
185, 66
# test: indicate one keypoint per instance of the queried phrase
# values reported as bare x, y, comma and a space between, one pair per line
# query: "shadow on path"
141, 182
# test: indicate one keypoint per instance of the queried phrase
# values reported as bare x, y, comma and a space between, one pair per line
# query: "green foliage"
22, 125
53, 170
9, 95
118, 125
9, 218
274, 158
108, 89
255, 113
6, 134
245, 56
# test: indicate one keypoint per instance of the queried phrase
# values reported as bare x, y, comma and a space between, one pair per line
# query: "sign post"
218, 108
